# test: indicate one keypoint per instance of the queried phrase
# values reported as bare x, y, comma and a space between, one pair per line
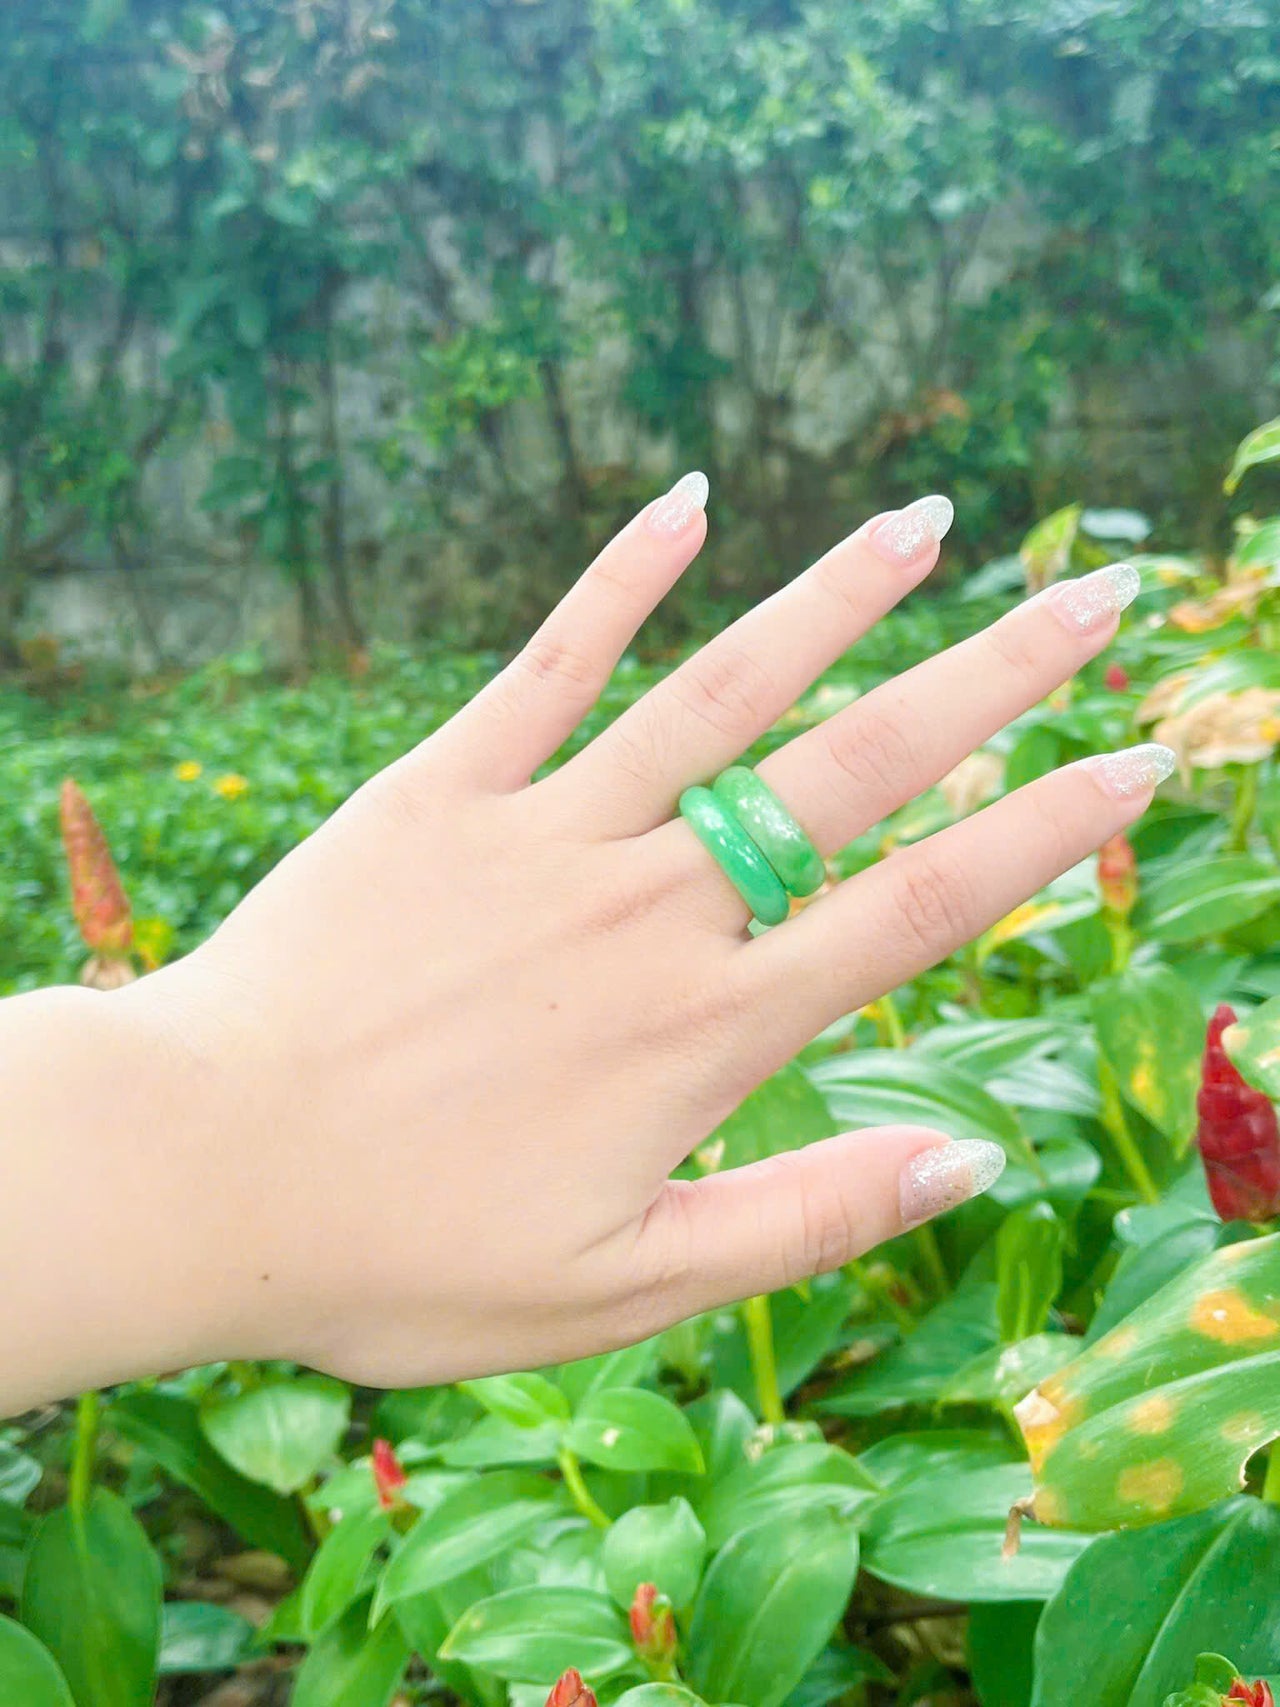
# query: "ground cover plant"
1023, 1456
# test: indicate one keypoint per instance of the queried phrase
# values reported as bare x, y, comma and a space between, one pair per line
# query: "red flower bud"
571, 1691
1238, 1135
1116, 677
1118, 875
653, 1624
1255, 1694
389, 1475
98, 899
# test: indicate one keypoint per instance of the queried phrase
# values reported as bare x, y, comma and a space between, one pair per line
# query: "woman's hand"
420, 1097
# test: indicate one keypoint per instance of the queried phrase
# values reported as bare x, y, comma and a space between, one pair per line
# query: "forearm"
106, 1261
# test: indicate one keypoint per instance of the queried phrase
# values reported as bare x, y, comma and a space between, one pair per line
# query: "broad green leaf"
1160, 1415
1028, 1271
784, 1113
198, 1636
527, 1401
1144, 1269
787, 1480
1046, 550
471, 1526
768, 1606
1204, 898
531, 1635
1262, 546
807, 1325
627, 1428
1150, 1601
426, 1619
168, 1428
625, 1368
1253, 1043
936, 1454
1261, 445
494, 1440
663, 1544
944, 1536
659, 1695
1001, 1651
337, 1573
92, 1595
1007, 1373
19, 1475
281, 1434
1151, 1030
838, 1670
352, 1665
29, 1674
887, 1087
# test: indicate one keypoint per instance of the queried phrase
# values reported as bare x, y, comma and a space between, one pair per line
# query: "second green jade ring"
736, 854
772, 828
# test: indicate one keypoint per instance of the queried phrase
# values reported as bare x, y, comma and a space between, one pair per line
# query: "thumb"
764, 1227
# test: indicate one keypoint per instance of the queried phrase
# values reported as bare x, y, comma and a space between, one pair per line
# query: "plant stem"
883, 1294
927, 1244
1113, 1118
1245, 806
1271, 1486
764, 1363
88, 1413
571, 1470
890, 1032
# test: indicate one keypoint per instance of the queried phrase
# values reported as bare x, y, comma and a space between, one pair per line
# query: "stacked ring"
755, 841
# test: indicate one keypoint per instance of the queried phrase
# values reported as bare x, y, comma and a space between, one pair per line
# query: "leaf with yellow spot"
1253, 1043
1160, 1416
1030, 916
1151, 1030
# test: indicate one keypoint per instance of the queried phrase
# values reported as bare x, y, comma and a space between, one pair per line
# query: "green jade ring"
755, 841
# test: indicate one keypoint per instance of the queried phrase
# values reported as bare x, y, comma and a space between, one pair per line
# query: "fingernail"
901, 537
671, 515
1136, 770
938, 1179
1093, 600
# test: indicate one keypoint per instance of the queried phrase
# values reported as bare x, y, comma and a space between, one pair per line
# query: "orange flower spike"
389, 1475
97, 894
1254, 1694
653, 1625
1118, 875
571, 1691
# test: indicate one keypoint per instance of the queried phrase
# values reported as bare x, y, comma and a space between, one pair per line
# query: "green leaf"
807, 1325
625, 1368
1253, 1043
198, 1636
663, 1544
1152, 1600
627, 1428
787, 1480
1151, 1029
531, 1635
19, 1475
352, 1665
1262, 445
1160, 1415
168, 1429
1046, 550
891, 1087
92, 1595
944, 1537
1001, 1651
281, 1434
527, 1401
1144, 1269
468, 1528
938, 1454
494, 1440
659, 1695
784, 1113
1262, 547
1028, 1270
1204, 898
1006, 1373
768, 1606
29, 1674
337, 1573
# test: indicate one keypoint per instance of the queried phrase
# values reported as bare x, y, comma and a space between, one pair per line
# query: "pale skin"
410, 1114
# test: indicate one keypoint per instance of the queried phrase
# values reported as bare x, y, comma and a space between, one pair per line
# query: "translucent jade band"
736, 854
772, 828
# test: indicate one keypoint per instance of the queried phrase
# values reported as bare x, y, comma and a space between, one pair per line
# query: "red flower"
389, 1475
1256, 1694
1116, 677
571, 1691
1118, 875
653, 1624
1238, 1135
98, 899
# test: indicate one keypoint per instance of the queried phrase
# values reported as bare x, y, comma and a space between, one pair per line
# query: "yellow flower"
231, 786
190, 770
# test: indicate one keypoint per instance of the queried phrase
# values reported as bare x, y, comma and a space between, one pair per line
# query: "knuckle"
726, 688
872, 752
936, 903
557, 664
825, 1233
1016, 652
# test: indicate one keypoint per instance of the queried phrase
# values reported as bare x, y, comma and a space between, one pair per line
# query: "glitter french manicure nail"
1134, 770
1093, 600
905, 535
939, 1179
671, 515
